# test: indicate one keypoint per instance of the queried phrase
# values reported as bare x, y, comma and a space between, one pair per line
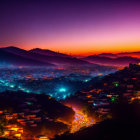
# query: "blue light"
62, 90
12, 86
86, 80
64, 96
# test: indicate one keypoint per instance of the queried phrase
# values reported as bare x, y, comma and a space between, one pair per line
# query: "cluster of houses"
122, 84
15, 125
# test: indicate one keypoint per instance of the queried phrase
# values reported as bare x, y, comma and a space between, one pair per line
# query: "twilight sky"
71, 26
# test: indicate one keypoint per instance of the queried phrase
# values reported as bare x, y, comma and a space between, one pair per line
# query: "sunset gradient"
73, 27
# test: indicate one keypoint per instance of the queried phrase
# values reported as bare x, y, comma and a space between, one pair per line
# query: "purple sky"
72, 26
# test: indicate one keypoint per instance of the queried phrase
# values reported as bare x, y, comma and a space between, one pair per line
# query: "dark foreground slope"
36, 114
122, 121
124, 125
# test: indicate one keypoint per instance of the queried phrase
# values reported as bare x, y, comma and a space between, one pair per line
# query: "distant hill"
111, 55
8, 58
58, 58
53, 58
43, 57
111, 61
132, 54
48, 52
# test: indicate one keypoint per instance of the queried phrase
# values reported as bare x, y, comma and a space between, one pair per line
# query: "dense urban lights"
81, 120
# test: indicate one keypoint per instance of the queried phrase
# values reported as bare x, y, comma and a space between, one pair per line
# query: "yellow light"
135, 98
109, 95
81, 120
18, 135
6, 133
44, 138
14, 128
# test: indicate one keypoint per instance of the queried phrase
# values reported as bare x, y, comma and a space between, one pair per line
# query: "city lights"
81, 120
69, 69
62, 90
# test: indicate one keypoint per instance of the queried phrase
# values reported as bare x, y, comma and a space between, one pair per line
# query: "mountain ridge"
43, 59
124, 60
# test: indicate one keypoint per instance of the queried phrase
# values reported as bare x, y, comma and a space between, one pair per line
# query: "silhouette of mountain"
39, 57
58, 58
14, 50
111, 61
48, 52
110, 55
45, 59
6, 57
132, 54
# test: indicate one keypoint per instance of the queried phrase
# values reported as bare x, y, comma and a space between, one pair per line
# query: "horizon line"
75, 54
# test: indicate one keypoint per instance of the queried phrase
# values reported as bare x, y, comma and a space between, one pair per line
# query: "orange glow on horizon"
86, 50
